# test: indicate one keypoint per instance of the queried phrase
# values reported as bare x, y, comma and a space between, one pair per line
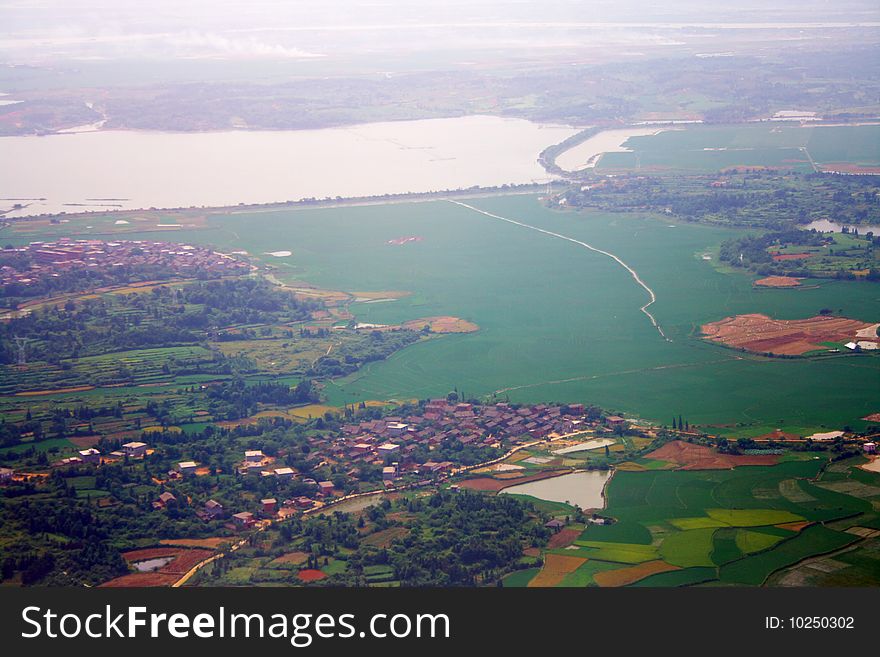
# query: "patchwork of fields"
725, 527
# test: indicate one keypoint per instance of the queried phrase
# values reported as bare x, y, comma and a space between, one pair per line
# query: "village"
394, 444
38, 261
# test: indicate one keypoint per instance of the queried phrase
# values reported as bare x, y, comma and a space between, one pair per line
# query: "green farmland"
557, 321
705, 149
732, 527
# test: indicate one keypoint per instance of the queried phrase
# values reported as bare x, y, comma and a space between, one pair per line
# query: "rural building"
269, 505
6, 475
390, 472
163, 500
614, 420
396, 428
254, 456
388, 450
251, 467
870, 448
187, 467
134, 449
303, 502
213, 509
245, 518
285, 474
325, 488
554, 524
90, 455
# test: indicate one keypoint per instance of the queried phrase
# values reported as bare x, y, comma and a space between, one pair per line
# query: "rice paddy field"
558, 322
710, 148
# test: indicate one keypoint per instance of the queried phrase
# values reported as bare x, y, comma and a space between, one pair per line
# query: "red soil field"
778, 281
625, 576
167, 575
762, 334
311, 575
563, 538
689, 456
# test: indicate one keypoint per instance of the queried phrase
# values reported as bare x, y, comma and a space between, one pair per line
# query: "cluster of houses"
396, 439
51, 259
131, 450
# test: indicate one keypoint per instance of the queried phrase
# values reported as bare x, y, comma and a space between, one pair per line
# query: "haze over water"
107, 170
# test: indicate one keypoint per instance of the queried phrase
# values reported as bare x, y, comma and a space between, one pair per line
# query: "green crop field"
704, 148
739, 541
558, 321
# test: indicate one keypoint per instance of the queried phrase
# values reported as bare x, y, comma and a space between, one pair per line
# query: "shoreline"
274, 206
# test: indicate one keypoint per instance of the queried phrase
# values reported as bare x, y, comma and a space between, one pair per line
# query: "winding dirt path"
632, 271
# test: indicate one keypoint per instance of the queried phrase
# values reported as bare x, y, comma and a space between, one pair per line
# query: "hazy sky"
33, 31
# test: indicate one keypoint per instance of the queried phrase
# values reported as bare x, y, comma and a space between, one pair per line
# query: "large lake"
581, 488
107, 169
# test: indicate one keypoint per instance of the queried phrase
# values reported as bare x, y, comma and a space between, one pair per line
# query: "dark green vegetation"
444, 539
810, 254
163, 317
755, 199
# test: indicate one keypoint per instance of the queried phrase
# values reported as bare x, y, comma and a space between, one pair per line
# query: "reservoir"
828, 226
583, 489
126, 169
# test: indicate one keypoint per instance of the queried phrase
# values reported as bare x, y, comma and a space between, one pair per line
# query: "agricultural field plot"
170, 564
762, 334
535, 297
139, 367
857, 565
279, 355
721, 525
756, 146
840, 252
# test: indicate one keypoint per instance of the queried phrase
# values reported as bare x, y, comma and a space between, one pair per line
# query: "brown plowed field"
689, 456
311, 575
778, 281
625, 576
442, 324
791, 337
563, 538
167, 575
556, 567
489, 484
